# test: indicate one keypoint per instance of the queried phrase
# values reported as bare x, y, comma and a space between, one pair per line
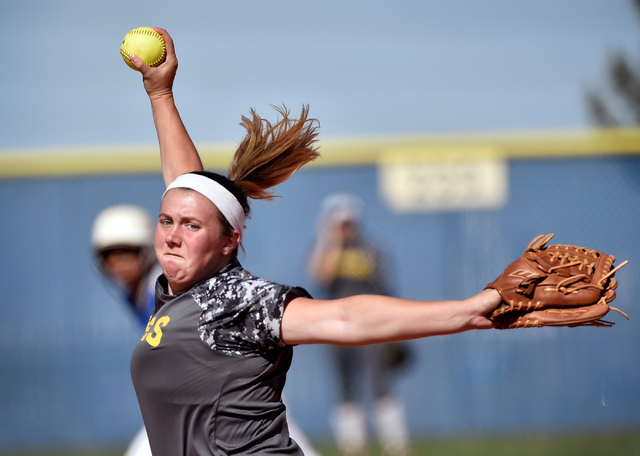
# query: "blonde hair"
269, 154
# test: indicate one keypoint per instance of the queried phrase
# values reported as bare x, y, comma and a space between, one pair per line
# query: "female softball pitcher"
210, 369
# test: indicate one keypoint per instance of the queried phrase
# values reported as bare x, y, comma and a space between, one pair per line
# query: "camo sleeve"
241, 313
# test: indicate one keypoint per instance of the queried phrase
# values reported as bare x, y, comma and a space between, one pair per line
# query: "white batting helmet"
122, 226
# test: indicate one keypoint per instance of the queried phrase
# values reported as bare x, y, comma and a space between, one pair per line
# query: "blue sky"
374, 67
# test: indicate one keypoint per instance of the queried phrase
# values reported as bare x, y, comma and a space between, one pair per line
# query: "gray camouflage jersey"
210, 368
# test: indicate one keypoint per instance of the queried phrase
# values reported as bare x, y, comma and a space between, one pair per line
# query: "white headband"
223, 199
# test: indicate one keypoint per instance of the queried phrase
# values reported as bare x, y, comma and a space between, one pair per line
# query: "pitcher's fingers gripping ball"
556, 285
147, 44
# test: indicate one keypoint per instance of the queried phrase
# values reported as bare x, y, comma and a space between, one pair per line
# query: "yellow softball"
147, 44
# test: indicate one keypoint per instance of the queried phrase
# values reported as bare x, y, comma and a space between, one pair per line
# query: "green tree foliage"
619, 104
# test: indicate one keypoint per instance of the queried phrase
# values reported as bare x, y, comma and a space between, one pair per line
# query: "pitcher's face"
189, 242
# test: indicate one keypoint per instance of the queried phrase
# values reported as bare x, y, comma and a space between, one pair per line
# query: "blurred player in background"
343, 264
122, 242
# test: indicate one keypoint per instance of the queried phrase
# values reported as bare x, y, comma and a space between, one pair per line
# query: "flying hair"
269, 154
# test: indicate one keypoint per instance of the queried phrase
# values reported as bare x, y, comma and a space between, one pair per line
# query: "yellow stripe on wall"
339, 152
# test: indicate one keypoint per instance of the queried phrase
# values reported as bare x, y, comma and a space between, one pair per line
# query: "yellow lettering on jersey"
152, 320
154, 338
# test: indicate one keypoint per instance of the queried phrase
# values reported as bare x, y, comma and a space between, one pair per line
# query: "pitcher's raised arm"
178, 154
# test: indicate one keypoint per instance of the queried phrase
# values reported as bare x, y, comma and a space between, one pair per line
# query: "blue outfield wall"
65, 340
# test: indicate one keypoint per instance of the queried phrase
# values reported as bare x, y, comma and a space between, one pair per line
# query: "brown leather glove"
556, 285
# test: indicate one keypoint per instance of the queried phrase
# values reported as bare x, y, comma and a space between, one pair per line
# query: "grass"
627, 444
